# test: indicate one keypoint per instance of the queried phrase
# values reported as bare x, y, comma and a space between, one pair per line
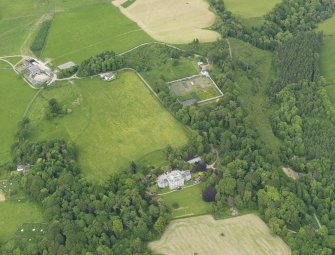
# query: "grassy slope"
327, 57
256, 100
83, 32
115, 123
14, 214
17, 18
15, 94
189, 200
245, 9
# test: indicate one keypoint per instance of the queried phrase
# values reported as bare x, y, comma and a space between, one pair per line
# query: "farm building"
108, 76
173, 179
66, 66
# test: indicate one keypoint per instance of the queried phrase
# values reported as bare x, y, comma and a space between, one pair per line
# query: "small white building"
173, 179
194, 160
108, 76
20, 168
66, 65
200, 64
204, 73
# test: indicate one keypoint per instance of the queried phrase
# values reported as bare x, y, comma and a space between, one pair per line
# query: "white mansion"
173, 179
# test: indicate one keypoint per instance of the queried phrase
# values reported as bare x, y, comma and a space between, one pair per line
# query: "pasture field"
253, 90
189, 201
15, 95
246, 9
327, 56
243, 235
172, 21
83, 32
17, 20
112, 123
14, 214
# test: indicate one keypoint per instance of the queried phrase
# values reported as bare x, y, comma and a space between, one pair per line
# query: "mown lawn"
86, 31
15, 95
189, 201
112, 123
247, 9
14, 214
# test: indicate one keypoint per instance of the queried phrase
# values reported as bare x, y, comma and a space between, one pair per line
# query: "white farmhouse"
173, 179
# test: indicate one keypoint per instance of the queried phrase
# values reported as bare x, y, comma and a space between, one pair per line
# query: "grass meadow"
17, 20
112, 123
253, 89
189, 201
14, 214
82, 32
246, 9
15, 95
243, 235
327, 57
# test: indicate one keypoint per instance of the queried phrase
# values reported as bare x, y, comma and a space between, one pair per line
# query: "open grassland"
189, 201
17, 20
172, 21
86, 31
248, 9
244, 235
112, 123
14, 214
327, 57
253, 88
15, 95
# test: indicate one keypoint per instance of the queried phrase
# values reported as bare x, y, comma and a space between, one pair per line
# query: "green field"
327, 57
170, 71
247, 9
17, 21
112, 123
82, 32
253, 88
14, 214
189, 202
15, 95
243, 235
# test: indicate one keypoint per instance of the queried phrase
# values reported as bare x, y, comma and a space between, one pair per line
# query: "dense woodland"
287, 19
38, 43
120, 216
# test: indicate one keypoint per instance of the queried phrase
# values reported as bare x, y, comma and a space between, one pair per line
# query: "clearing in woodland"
82, 32
245, 9
112, 123
14, 214
172, 21
243, 235
327, 57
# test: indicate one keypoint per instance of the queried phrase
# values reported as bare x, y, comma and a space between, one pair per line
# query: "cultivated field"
327, 56
14, 214
247, 9
14, 97
86, 31
187, 202
244, 235
172, 21
112, 123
